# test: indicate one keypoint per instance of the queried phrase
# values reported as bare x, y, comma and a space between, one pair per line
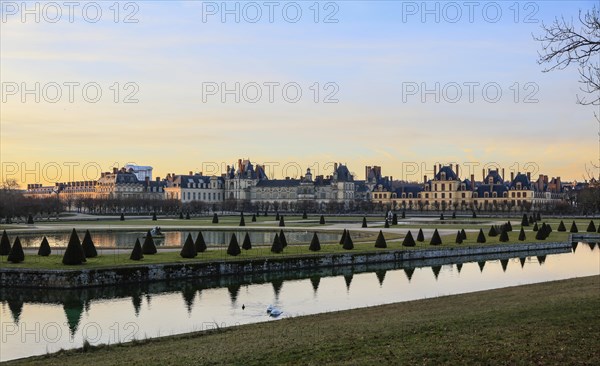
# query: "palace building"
247, 182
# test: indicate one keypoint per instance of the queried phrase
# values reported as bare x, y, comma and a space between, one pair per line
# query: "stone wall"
20, 277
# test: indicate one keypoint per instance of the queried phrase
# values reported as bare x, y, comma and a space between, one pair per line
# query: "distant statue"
390, 216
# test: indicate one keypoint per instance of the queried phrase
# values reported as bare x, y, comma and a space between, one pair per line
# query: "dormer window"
486, 194
443, 176
519, 186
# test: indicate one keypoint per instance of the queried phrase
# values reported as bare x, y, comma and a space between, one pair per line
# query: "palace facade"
246, 182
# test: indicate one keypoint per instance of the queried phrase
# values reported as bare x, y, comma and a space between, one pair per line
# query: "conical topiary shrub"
459, 238
535, 227
481, 236
591, 227
574, 227
136, 253
180, 215
215, 219
509, 226
247, 244
253, 218
387, 224
304, 215
188, 250
187, 215
4, 244
454, 214
504, 236
474, 215
380, 242
522, 236
420, 236
464, 234
538, 217
548, 229
394, 219
322, 220
493, 231
16, 254
277, 217
315, 245
408, 241
88, 246
234, 247
44, 249
348, 243
154, 218
74, 253
282, 239
364, 223
403, 214
281, 222
524, 220
122, 217
149, 247
343, 238
561, 226
30, 219
276, 247
200, 244
442, 216
435, 238
541, 233
242, 221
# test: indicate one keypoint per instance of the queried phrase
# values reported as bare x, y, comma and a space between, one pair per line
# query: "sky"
399, 84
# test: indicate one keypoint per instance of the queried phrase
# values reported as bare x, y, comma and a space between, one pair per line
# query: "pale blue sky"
369, 54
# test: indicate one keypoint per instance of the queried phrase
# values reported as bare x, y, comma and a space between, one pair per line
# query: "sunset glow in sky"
357, 78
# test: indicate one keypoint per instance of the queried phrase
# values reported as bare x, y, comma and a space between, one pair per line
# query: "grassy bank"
366, 244
553, 323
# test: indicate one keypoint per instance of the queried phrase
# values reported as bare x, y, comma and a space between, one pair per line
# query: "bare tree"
564, 44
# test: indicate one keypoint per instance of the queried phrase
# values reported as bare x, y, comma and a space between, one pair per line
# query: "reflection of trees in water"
522, 260
234, 292
73, 307
504, 263
277, 285
436, 271
574, 246
541, 259
380, 276
315, 283
16, 308
481, 265
136, 300
189, 295
459, 267
409, 273
348, 279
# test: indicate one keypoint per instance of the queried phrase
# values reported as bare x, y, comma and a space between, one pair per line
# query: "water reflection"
171, 307
126, 239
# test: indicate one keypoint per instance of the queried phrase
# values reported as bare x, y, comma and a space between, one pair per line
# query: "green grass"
364, 244
553, 323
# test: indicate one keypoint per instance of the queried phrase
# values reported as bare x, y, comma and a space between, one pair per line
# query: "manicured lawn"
554, 323
364, 244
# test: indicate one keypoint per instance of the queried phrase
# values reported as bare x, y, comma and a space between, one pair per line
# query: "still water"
126, 239
34, 321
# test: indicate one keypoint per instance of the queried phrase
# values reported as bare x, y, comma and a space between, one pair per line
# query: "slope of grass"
554, 323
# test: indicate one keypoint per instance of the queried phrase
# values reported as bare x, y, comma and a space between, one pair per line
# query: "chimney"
512, 176
424, 179
115, 170
158, 179
434, 170
529, 176
191, 173
483, 176
367, 173
240, 165
335, 166
457, 170
473, 181
147, 179
503, 173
